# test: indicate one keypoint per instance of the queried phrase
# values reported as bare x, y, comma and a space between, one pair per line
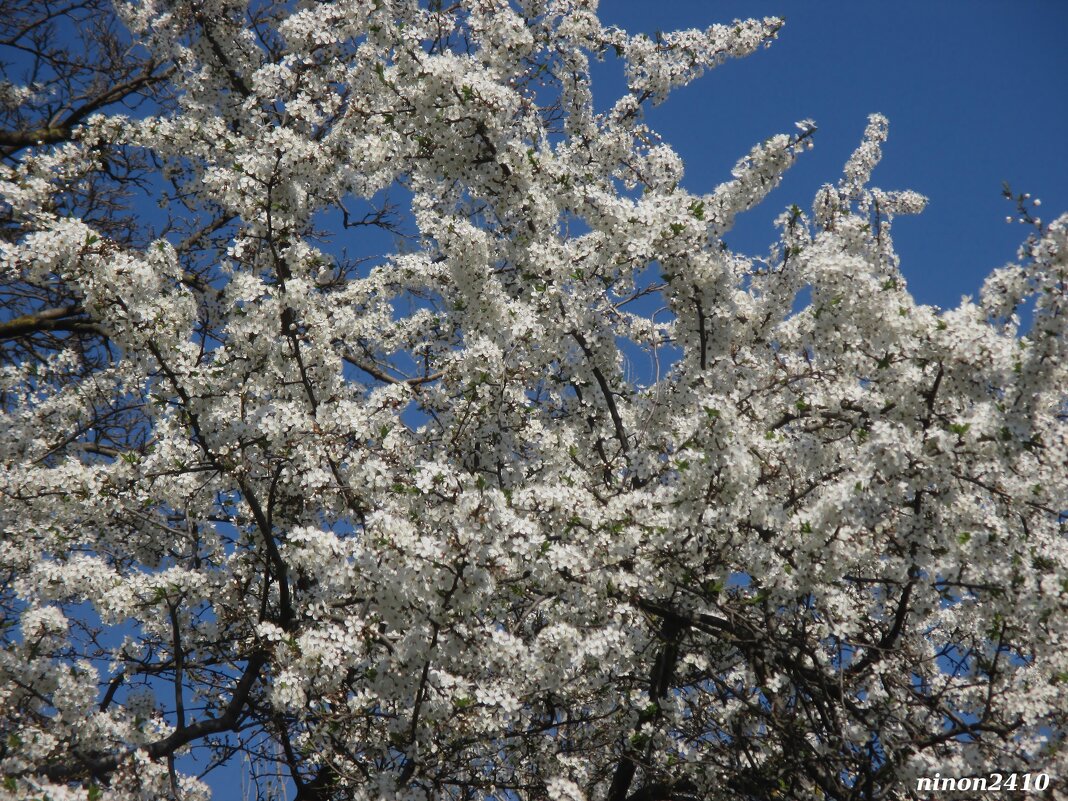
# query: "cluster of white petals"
382, 501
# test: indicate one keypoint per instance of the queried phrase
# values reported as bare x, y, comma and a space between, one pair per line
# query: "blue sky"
976, 92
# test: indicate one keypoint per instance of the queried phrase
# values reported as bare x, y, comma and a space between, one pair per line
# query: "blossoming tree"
407, 527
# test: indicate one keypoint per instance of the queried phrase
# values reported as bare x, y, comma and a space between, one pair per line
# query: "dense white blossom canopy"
412, 527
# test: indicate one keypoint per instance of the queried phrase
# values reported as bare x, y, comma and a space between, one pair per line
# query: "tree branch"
87, 765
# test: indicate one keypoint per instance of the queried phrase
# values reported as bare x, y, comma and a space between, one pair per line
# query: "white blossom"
391, 509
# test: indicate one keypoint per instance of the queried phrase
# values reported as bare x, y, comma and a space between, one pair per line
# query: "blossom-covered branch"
338, 459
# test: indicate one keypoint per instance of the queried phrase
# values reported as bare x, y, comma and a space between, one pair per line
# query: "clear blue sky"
976, 92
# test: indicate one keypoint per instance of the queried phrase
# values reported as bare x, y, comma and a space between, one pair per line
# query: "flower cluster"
379, 499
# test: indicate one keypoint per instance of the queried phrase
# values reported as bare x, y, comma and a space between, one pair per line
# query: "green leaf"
712, 587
